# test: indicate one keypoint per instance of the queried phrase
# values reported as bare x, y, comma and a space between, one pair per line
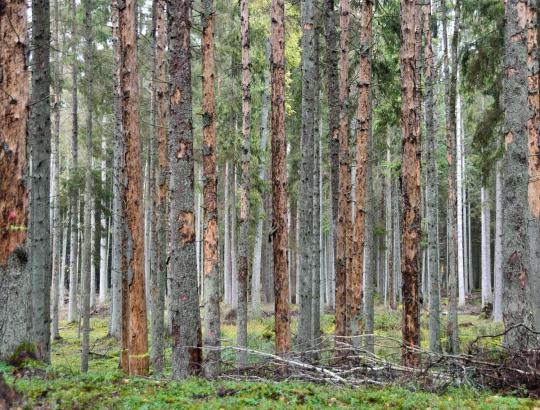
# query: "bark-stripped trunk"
74, 195
534, 156
39, 133
486, 245
450, 114
243, 246
517, 304
363, 135
332, 78
133, 261
118, 180
432, 197
257, 251
497, 265
344, 203
55, 178
410, 181
158, 272
305, 205
186, 322
87, 260
279, 180
210, 249
15, 315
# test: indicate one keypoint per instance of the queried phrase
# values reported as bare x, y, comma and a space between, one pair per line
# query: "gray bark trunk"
497, 267
486, 245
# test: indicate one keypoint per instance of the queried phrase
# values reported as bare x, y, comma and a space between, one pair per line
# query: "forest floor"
61, 385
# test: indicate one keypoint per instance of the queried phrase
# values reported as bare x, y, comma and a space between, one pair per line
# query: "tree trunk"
316, 232
279, 180
159, 246
497, 266
133, 261
305, 205
103, 260
118, 219
39, 132
517, 304
534, 157
432, 190
450, 114
344, 203
233, 245
486, 244
459, 204
227, 270
242, 313
186, 326
410, 181
15, 314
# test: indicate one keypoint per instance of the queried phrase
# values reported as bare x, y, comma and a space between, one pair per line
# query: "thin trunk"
159, 225
497, 266
186, 322
92, 253
344, 203
233, 244
133, 260
103, 260
39, 134
316, 234
15, 314
389, 234
227, 272
309, 87
279, 180
432, 189
242, 314
410, 229
486, 244
459, 204
369, 262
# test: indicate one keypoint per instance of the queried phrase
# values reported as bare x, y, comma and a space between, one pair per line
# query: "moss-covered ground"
61, 385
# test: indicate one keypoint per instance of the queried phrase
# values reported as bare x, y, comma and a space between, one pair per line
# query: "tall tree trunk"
15, 314
486, 244
369, 265
158, 273
450, 114
410, 229
118, 219
55, 178
233, 245
74, 194
103, 260
39, 132
363, 136
305, 205
389, 296
517, 306
279, 180
459, 204
186, 322
316, 301
227, 269
257, 250
497, 265
534, 156
133, 261
242, 314
88, 188
432, 190
344, 203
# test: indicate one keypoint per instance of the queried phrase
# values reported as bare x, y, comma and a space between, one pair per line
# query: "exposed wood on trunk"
133, 269
186, 326
279, 181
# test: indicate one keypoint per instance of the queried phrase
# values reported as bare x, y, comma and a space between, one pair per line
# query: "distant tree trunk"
39, 133
74, 249
103, 259
242, 314
62, 271
227, 268
517, 304
233, 239
369, 265
389, 297
133, 261
15, 272
344, 203
486, 244
534, 156
186, 322
279, 180
450, 114
497, 265
459, 204
159, 246
88, 188
305, 205
93, 245
432, 197
118, 225
316, 232
410, 229
363, 136
55, 178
